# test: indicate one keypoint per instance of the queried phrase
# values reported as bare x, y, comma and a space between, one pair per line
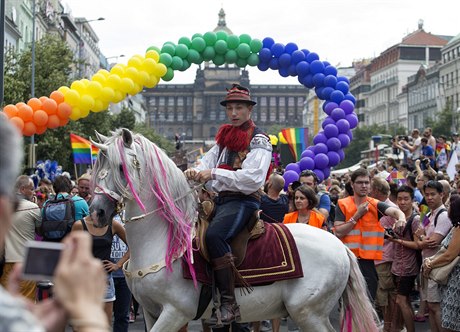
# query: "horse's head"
117, 174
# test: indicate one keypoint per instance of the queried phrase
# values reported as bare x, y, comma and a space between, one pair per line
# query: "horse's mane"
160, 180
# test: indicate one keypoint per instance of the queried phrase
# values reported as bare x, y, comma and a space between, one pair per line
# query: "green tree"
150, 134
125, 119
444, 121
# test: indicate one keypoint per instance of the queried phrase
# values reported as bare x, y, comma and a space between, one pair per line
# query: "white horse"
160, 210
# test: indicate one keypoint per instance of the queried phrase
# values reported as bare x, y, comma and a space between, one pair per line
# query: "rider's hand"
204, 176
190, 174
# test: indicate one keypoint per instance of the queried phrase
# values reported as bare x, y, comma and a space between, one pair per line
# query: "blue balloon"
321, 161
290, 48
277, 49
343, 125
292, 70
337, 114
307, 80
293, 167
337, 96
268, 42
263, 66
284, 60
352, 119
303, 68
333, 144
307, 153
341, 154
283, 71
329, 106
343, 79
334, 158
320, 148
342, 86
318, 79
331, 131
326, 121
319, 138
330, 80
306, 52
273, 64
319, 92
289, 177
327, 172
316, 67
265, 55
330, 70
312, 56
347, 106
351, 98
326, 63
319, 173
306, 163
327, 92
349, 133
297, 56
344, 140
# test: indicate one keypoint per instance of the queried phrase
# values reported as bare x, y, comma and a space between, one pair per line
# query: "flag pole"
75, 170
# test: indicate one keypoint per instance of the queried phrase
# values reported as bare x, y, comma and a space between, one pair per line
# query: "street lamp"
82, 21
113, 57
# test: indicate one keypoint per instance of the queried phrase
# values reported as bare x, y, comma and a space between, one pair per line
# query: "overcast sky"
340, 31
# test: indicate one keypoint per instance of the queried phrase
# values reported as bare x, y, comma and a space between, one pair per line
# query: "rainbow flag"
396, 177
297, 139
83, 151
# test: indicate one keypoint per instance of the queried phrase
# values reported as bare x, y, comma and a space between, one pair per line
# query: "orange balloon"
40, 118
41, 130
50, 106
35, 103
18, 122
63, 122
64, 110
53, 121
25, 112
43, 98
10, 110
20, 104
29, 129
57, 96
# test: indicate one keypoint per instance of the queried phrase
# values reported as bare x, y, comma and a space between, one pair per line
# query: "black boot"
229, 311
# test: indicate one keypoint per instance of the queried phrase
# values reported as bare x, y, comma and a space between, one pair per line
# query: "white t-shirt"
418, 144
443, 226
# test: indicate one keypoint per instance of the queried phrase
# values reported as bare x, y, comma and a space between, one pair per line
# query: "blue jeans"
232, 215
121, 305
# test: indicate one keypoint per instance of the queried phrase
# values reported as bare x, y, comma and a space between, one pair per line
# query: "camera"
390, 234
41, 260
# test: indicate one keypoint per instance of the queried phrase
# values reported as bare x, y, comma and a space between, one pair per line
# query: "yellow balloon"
76, 114
133, 73
118, 69
63, 89
98, 106
94, 89
114, 81
78, 86
103, 72
144, 77
126, 84
135, 61
152, 81
107, 94
84, 113
160, 70
136, 89
86, 103
98, 77
153, 55
149, 65
72, 97
281, 137
273, 139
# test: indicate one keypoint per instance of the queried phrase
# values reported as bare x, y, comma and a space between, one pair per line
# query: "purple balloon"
320, 148
352, 119
320, 138
293, 167
347, 106
344, 140
289, 177
307, 153
343, 125
341, 154
337, 96
349, 133
326, 121
333, 144
334, 158
329, 106
337, 114
321, 161
319, 173
306, 163
331, 131
326, 172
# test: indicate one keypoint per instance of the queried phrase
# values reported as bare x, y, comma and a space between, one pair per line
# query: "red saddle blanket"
271, 257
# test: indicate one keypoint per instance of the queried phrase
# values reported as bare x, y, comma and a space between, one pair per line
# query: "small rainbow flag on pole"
297, 139
83, 151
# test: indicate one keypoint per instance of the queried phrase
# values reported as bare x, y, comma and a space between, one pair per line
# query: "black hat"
238, 93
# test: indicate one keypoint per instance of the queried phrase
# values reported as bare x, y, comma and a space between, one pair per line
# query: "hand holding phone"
41, 260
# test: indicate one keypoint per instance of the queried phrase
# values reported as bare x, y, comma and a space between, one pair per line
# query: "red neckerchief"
235, 138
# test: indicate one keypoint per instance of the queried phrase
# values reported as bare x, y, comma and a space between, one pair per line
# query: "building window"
162, 101
291, 101
263, 101
180, 101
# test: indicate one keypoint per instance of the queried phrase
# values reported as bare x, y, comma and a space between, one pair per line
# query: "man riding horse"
236, 167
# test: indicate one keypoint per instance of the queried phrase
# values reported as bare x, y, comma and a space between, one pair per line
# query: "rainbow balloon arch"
105, 87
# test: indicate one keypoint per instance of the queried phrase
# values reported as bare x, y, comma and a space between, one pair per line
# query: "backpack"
408, 228
437, 215
58, 217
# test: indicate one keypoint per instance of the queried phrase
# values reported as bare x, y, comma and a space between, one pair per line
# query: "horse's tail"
357, 312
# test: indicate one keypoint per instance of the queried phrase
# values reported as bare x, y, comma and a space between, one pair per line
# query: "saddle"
254, 229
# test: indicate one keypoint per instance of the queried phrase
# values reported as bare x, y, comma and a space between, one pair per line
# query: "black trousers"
369, 272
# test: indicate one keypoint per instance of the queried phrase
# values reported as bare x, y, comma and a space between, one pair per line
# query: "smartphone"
41, 260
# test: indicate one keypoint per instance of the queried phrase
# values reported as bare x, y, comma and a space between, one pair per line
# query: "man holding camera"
427, 154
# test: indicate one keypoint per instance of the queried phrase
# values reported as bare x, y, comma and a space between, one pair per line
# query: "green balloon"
166, 59
197, 35
181, 51
185, 41
176, 63
233, 41
210, 38
241, 62
154, 48
209, 53
198, 44
231, 56
221, 35
169, 75
185, 65
245, 38
253, 59
243, 50
221, 47
219, 60
194, 57
256, 45
168, 48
